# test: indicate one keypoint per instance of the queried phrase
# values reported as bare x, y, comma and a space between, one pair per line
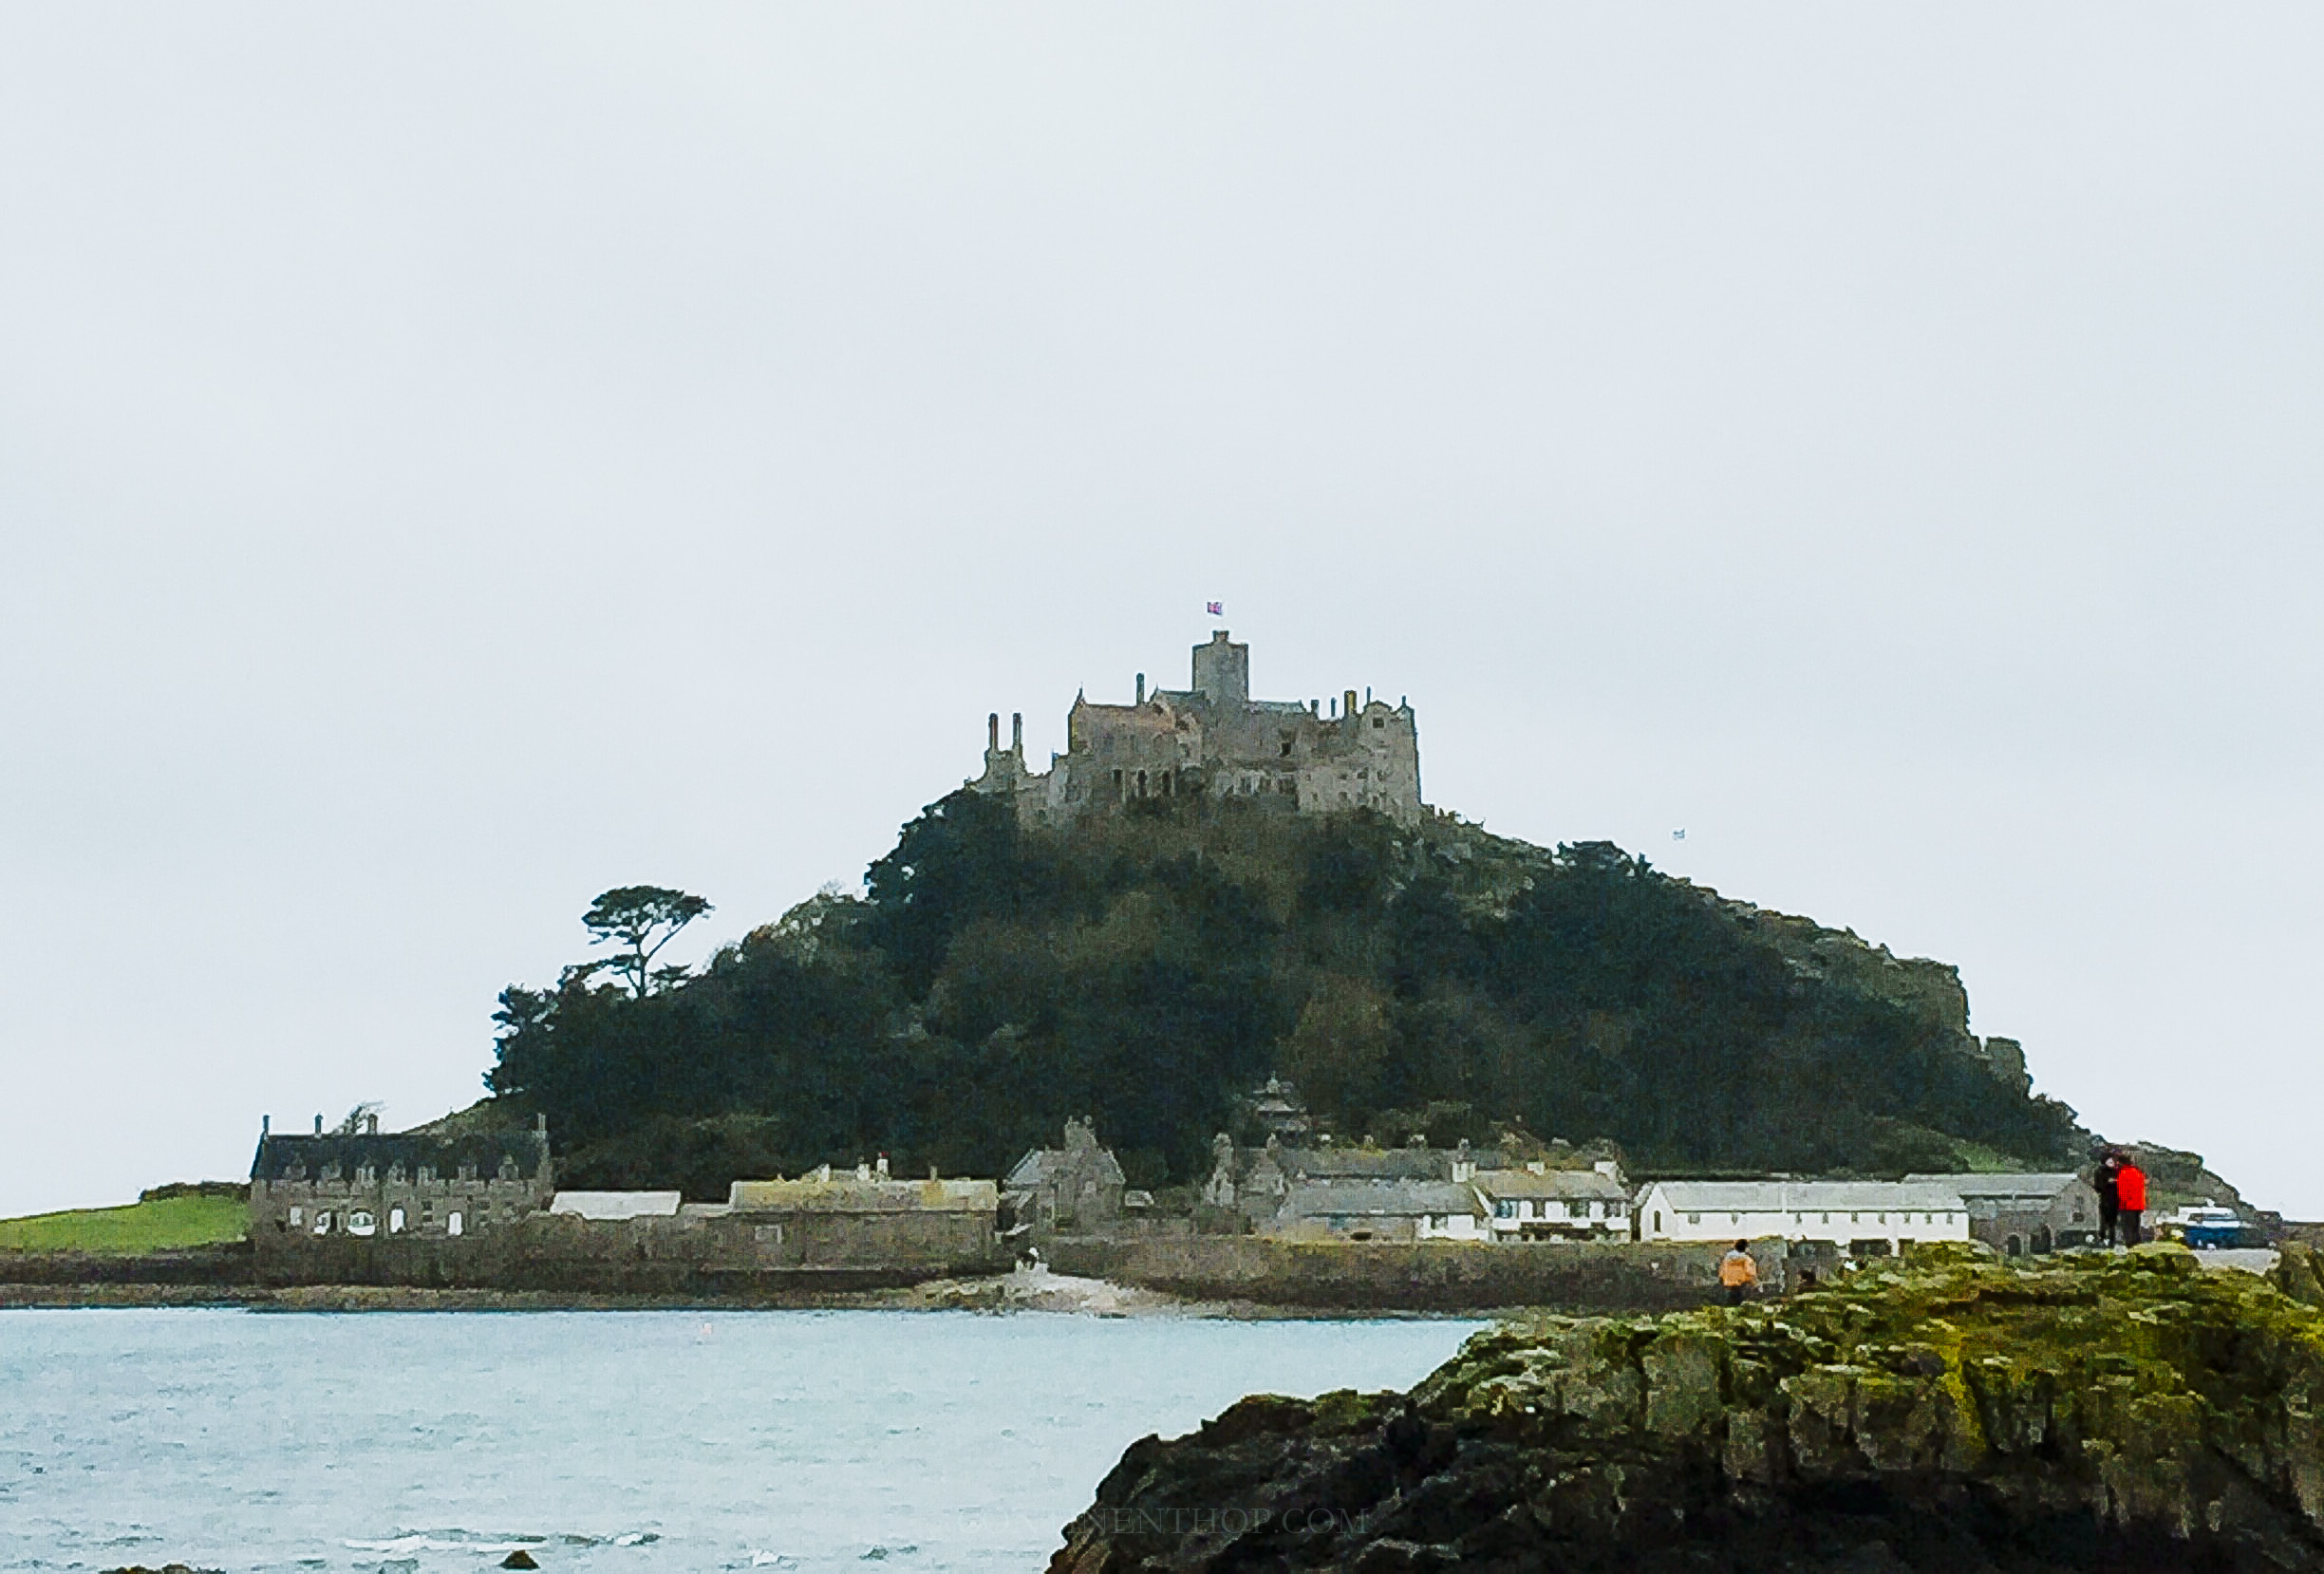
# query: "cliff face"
2126, 1414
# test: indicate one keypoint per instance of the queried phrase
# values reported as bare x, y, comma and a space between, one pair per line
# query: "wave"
466, 1541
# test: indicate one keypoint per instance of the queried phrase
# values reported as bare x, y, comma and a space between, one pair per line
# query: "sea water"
613, 1442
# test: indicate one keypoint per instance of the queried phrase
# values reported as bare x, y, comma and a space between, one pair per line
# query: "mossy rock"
2126, 1411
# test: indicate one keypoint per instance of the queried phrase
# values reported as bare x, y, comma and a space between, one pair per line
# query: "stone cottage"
865, 1219
2027, 1214
1075, 1188
313, 1193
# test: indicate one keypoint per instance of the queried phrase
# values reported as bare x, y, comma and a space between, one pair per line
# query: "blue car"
2211, 1226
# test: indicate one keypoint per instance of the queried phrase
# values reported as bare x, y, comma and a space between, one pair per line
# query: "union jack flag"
1217, 607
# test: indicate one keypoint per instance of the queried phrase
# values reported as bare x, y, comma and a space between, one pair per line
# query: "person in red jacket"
2131, 1198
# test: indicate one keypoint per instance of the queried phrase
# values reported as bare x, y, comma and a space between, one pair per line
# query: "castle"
1212, 739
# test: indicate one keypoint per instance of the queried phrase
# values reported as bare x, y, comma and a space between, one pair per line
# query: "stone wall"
1436, 1276
648, 1255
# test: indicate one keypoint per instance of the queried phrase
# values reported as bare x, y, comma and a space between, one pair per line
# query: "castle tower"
1222, 671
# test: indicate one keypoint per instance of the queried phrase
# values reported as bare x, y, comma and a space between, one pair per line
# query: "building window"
323, 1222
1577, 1210
453, 1223
298, 1218
1436, 1221
1693, 1218
395, 1221
1378, 722
1505, 1210
359, 1222
1658, 1218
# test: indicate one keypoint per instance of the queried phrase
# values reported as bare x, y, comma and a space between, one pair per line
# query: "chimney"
992, 733
1017, 732
266, 1124
931, 1171
370, 1125
863, 1170
883, 1167
1349, 710
1141, 689
540, 1123
318, 1125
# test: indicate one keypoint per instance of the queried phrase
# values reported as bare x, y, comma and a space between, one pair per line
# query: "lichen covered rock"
2123, 1412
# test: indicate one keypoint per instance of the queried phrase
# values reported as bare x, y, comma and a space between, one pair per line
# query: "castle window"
361, 1223
1286, 746
298, 1218
1142, 784
453, 1223
1118, 779
1378, 722
322, 1224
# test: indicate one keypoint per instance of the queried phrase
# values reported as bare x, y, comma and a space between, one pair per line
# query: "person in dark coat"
2109, 1198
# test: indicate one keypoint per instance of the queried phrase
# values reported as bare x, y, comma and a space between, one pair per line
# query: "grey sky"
455, 459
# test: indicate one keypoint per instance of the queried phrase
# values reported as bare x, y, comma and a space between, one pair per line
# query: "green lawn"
140, 1227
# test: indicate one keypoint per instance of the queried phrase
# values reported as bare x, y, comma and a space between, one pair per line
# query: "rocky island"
2120, 1412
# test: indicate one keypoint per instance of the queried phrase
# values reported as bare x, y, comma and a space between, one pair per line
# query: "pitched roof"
1378, 1163
278, 1155
1786, 1197
2041, 1184
617, 1205
1042, 1165
1586, 1185
847, 1194
1378, 1199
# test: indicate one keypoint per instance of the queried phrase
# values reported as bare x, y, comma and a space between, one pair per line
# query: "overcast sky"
454, 459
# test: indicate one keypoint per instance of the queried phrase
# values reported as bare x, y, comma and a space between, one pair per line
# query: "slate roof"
1563, 1185
1378, 1199
1787, 1196
2038, 1186
279, 1155
617, 1205
1042, 1165
1416, 1164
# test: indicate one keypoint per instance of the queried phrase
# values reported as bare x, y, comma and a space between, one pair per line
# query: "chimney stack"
1350, 709
318, 1125
266, 1124
1015, 732
992, 733
1141, 688
370, 1125
883, 1167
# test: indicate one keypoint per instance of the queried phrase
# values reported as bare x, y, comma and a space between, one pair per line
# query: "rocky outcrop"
2130, 1413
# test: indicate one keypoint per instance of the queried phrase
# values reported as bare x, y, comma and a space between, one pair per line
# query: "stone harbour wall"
1435, 1276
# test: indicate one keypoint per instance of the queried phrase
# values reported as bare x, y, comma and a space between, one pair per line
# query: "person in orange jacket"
2130, 1199
1738, 1272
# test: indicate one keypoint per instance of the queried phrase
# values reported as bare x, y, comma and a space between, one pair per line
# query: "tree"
636, 915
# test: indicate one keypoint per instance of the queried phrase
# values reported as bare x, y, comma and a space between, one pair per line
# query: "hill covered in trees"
1148, 970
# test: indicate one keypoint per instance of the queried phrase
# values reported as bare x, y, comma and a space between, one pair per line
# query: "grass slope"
154, 1225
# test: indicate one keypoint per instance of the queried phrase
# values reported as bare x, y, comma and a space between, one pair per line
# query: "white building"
616, 1205
1861, 1218
1539, 1204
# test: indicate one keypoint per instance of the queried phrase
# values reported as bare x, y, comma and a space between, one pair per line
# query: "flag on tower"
1217, 608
